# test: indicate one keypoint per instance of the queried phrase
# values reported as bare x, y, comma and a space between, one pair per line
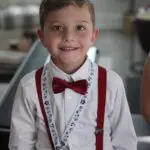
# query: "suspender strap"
101, 107
38, 88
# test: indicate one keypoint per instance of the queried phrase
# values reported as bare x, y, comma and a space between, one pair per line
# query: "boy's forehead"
70, 10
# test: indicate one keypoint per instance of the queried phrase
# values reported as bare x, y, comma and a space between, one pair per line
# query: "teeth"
68, 48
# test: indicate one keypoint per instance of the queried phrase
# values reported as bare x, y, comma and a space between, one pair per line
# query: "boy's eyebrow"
84, 21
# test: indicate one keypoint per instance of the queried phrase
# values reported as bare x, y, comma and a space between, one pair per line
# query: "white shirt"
28, 130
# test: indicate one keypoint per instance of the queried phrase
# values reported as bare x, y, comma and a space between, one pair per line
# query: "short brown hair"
52, 5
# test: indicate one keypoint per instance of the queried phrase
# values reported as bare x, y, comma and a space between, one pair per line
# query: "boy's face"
68, 34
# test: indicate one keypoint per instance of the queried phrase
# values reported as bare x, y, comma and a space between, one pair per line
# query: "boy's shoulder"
113, 79
29, 78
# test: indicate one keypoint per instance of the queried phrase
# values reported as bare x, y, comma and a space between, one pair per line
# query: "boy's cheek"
84, 34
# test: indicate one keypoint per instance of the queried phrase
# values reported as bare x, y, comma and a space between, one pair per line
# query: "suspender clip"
99, 131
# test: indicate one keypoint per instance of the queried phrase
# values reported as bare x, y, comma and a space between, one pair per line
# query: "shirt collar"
81, 73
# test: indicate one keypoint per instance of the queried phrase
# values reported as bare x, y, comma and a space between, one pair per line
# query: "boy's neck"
69, 68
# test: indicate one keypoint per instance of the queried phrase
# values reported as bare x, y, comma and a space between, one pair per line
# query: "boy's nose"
68, 35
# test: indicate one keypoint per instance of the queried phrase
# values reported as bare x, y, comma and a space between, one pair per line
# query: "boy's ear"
40, 34
96, 32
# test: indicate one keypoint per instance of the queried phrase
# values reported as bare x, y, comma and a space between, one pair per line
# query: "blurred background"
122, 46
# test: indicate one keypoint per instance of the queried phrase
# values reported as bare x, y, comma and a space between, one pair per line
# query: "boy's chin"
69, 61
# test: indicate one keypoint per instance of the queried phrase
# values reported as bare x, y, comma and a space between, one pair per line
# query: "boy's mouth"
69, 48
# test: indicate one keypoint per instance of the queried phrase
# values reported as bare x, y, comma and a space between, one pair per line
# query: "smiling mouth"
69, 48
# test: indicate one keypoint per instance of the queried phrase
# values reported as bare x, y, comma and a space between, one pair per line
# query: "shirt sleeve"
23, 129
123, 133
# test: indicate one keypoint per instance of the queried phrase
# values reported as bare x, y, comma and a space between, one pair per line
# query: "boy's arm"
123, 133
22, 133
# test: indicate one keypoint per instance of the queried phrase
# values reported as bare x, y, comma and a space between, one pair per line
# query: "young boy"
62, 105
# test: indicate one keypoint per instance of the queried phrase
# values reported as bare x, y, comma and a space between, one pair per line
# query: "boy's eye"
57, 28
80, 28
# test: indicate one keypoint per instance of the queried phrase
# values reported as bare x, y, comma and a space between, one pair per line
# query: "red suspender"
101, 107
38, 88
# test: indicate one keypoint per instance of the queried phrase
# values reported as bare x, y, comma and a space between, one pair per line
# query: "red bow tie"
79, 86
